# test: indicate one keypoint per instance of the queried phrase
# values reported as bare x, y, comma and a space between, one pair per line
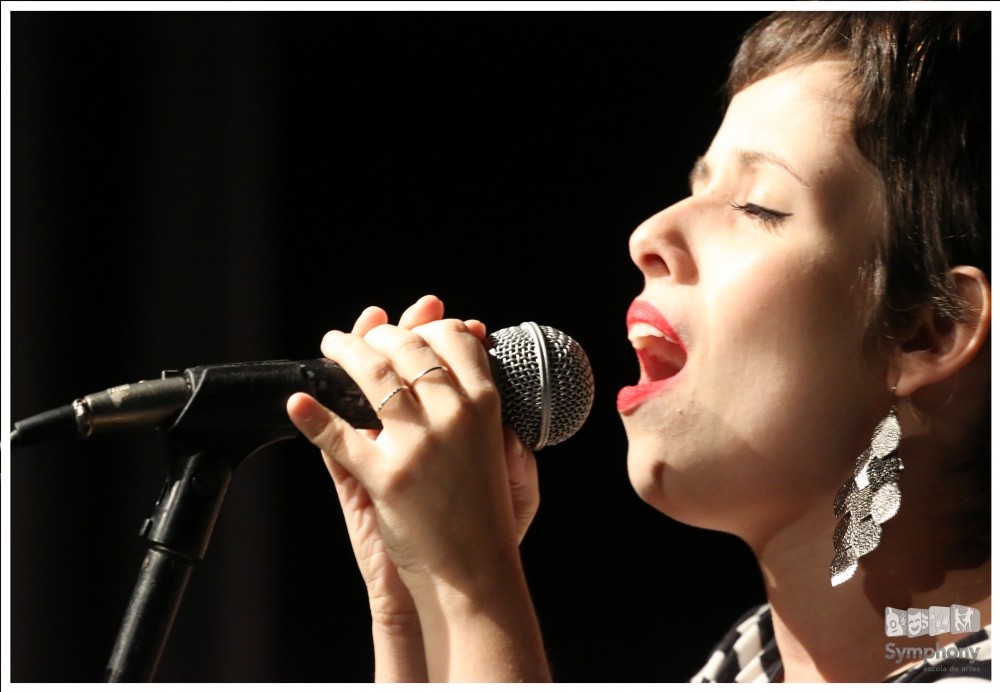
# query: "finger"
426, 309
515, 452
412, 358
371, 369
476, 328
352, 495
522, 474
369, 318
327, 431
463, 351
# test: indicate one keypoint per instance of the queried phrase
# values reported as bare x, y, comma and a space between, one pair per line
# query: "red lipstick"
661, 354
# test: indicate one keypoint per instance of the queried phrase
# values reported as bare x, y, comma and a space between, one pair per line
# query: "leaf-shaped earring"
867, 500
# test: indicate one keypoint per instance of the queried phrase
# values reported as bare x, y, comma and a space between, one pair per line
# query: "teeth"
660, 356
640, 331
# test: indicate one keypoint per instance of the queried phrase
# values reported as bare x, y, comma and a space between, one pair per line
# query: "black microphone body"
251, 396
226, 399
543, 375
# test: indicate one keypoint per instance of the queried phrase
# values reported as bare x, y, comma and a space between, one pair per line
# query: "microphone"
544, 377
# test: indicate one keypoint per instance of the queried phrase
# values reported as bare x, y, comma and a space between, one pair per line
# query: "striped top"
749, 653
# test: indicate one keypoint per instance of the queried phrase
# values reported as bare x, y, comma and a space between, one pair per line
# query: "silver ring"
428, 370
388, 396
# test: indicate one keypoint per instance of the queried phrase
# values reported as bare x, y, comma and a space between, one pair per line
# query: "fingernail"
301, 414
518, 447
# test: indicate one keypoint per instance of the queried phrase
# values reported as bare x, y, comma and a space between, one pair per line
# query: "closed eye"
769, 218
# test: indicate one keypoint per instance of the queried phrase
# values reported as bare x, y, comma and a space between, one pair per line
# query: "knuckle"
379, 370
485, 394
330, 442
443, 328
454, 325
391, 337
456, 415
411, 343
403, 479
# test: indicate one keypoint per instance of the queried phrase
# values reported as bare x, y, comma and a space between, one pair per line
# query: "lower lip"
630, 398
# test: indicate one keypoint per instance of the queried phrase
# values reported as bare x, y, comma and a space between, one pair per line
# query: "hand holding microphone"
440, 414
433, 501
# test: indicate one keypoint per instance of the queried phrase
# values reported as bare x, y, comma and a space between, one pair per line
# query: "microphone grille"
545, 381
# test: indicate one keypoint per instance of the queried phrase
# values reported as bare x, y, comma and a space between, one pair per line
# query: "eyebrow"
747, 158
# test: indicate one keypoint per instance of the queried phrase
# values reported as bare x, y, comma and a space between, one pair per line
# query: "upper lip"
662, 354
642, 312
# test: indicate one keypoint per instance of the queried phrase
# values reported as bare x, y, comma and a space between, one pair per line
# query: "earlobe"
941, 346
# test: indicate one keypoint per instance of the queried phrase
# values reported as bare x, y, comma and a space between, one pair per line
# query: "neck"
930, 554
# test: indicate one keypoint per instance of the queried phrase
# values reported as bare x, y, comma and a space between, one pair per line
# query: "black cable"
57, 422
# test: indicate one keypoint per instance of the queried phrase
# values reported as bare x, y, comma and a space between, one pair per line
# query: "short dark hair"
922, 118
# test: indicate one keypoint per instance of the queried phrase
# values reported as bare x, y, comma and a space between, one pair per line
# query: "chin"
685, 492
659, 485
646, 477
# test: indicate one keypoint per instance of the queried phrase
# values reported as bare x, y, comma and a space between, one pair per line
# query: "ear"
940, 347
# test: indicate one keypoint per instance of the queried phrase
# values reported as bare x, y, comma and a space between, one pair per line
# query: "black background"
193, 188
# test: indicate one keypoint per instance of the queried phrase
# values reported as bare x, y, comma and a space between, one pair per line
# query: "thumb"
331, 434
522, 473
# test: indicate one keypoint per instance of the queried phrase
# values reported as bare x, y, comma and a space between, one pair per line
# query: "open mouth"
662, 355
660, 358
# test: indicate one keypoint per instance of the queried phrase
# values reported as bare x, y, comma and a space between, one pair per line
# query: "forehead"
803, 114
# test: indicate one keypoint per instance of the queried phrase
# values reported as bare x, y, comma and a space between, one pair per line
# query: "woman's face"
754, 289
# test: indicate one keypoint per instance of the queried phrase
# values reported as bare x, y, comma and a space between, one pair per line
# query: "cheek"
785, 362
785, 311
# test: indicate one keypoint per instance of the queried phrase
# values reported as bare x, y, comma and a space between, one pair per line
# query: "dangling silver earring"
867, 500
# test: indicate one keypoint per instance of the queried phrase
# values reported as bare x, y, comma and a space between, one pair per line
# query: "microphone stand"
178, 531
206, 444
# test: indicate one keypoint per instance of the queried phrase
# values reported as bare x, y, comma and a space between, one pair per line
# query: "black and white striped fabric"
749, 653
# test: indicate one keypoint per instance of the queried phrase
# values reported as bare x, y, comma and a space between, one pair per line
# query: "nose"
659, 247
